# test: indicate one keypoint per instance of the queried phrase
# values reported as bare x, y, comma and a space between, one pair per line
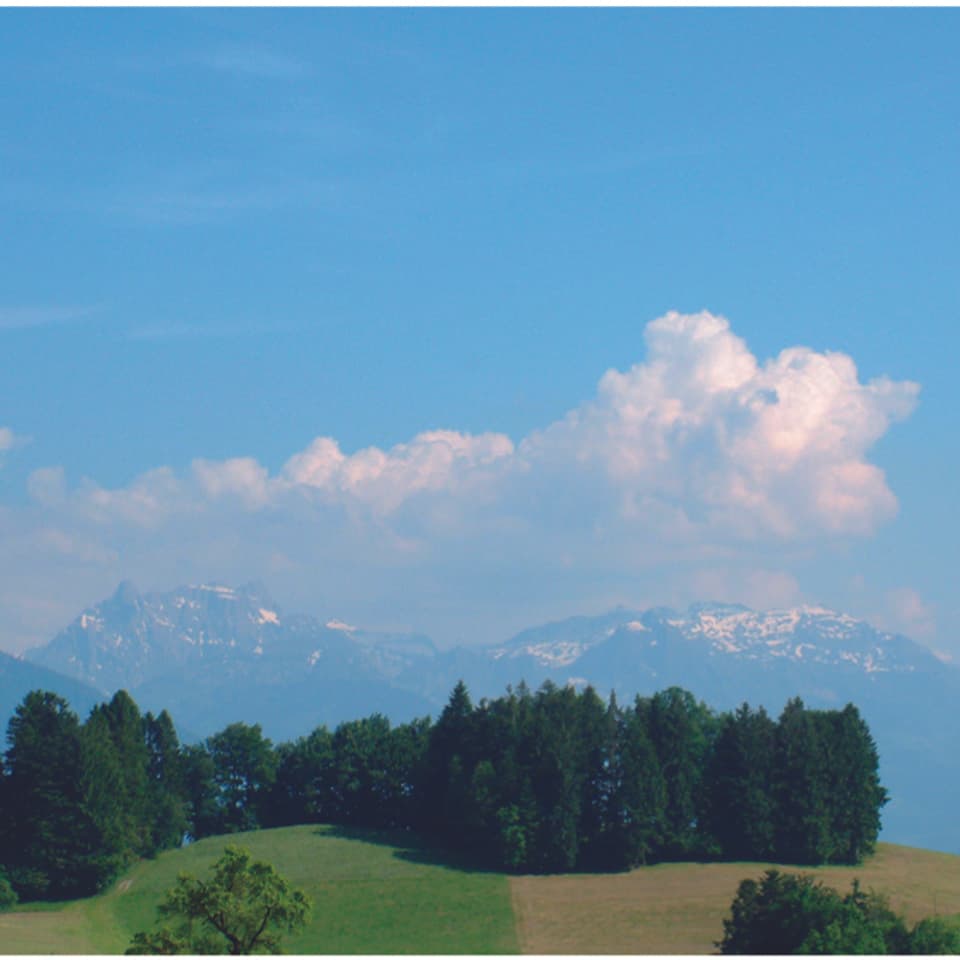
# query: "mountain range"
213, 654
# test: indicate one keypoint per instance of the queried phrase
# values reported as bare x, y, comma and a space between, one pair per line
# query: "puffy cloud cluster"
700, 437
698, 454
753, 449
434, 461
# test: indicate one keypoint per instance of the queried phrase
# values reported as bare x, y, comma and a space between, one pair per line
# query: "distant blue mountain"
213, 654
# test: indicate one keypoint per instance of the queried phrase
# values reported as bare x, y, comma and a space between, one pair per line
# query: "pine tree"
741, 806
50, 835
167, 794
804, 831
680, 730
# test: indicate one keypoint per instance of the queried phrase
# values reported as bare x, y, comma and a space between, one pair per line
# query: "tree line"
556, 780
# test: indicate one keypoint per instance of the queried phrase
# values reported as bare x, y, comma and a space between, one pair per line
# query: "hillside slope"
373, 893
376, 893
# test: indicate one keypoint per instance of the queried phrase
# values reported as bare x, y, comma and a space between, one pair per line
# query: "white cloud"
730, 444
694, 472
434, 461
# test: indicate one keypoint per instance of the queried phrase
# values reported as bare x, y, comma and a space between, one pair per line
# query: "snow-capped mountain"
801, 634
214, 654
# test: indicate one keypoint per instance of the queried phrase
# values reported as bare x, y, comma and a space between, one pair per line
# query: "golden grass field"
678, 908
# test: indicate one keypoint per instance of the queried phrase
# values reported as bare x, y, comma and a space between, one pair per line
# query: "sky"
460, 321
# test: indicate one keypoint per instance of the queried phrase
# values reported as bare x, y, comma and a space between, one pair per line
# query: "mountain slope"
18, 678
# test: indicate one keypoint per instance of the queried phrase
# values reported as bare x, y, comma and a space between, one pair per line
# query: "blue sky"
230, 233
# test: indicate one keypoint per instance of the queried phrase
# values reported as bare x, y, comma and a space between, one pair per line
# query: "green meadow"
373, 893
377, 893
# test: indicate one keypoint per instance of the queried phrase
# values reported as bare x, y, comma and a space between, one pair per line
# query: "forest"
549, 781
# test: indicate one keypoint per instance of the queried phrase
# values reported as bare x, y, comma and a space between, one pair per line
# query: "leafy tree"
934, 936
795, 914
244, 908
244, 770
301, 792
199, 790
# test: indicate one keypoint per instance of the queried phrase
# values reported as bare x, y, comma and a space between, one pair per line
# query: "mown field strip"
679, 908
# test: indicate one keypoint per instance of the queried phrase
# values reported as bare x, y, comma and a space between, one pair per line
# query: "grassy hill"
384, 893
373, 893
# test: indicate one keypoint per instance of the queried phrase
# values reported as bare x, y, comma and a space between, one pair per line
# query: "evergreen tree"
804, 831
741, 807
167, 791
680, 730
50, 835
853, 785
127, 732
640, 798
103, 799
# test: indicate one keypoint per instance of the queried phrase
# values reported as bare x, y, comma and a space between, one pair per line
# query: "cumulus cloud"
701, 458
437, 460
753, 449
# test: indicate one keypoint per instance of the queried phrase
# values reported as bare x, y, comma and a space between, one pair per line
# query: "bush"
8, 896
795, 914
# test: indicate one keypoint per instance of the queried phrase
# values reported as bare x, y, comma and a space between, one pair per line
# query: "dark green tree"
167, 789
640, 798
199, 791
934, 936
741, 808
852, 784
302, 791
681, 729
804, 829
103, 800
795, 914
244, 771
49, 835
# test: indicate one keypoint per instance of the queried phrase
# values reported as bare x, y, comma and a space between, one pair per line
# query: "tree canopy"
245, 907
545, 781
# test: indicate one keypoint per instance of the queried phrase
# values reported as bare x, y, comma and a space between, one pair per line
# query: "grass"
678, 908
381, 893
373, 893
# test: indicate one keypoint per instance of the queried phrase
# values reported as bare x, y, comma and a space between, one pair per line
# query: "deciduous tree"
244, 908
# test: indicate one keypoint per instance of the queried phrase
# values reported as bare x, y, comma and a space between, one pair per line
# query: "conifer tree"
49, 835
740, 807
167, 794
